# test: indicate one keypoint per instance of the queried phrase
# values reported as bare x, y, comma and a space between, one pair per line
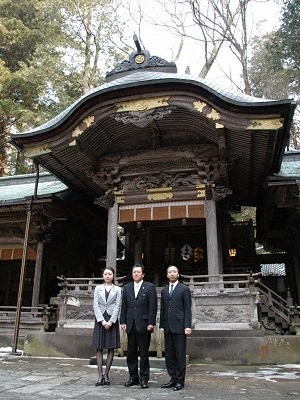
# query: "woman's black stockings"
99, 357
109, 361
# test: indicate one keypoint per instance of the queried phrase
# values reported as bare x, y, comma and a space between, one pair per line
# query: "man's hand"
187, 331
123, 326
150, 328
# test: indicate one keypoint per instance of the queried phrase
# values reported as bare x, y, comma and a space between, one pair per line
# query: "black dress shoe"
132, 382
178, 386
106, 381
100, 382
144, 385
168, 385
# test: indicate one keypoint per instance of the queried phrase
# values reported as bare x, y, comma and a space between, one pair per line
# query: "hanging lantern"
232, 252
186, 252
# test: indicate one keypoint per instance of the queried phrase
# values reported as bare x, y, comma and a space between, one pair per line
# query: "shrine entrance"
157, 244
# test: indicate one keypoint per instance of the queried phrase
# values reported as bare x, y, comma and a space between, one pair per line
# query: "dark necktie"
171, 290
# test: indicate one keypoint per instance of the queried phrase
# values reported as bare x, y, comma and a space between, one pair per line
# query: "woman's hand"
108, 325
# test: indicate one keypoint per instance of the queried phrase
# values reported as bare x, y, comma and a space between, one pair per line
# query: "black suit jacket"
142, 309
175, 310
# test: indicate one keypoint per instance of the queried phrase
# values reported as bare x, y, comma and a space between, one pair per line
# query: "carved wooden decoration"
142, 119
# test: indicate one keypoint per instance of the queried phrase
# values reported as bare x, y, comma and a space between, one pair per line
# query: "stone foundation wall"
224, 311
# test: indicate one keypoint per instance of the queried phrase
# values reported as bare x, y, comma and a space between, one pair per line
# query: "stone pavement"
60, 378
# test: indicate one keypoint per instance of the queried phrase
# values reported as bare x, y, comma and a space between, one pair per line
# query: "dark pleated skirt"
103, 339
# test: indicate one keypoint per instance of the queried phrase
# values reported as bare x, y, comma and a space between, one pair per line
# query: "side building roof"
19, 188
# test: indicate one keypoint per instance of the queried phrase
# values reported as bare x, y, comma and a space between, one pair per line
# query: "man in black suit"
138, 317
175, 322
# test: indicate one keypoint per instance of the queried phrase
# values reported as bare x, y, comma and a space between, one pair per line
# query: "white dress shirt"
174, 286
137, 287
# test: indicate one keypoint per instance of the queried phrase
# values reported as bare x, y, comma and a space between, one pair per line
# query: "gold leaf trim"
119, 196
214, 115
199, 105
120, 200
200, 191
89, 120
159, 196
164, 193
77, 132
83, 125
273, 124
142, 105
36, 151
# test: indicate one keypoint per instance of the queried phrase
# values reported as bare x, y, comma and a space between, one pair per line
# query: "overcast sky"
162, 43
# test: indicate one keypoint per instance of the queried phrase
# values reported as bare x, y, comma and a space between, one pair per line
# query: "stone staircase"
277, 315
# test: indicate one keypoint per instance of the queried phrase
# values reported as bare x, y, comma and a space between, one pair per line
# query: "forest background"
53, 52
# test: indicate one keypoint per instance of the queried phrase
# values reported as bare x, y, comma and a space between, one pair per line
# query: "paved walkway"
51, 378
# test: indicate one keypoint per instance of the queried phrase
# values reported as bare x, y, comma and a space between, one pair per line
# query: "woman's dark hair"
110, 269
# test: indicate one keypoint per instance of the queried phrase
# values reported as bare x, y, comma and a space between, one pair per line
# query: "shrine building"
160, 168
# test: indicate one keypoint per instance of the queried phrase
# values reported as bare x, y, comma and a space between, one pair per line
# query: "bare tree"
210, 24
223, 21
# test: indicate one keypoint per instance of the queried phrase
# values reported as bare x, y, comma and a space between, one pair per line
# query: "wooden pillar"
148, 253
37, 274
112, 236
7, 286
138, 250
213, 258
297, 277
220, 248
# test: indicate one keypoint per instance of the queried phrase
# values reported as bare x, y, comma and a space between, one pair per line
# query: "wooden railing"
201, 284
221, 282
82, 285
9, 312
30, 317
276, 303
283, 308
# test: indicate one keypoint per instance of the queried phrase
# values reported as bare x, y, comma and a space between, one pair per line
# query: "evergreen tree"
275, 68
51, 53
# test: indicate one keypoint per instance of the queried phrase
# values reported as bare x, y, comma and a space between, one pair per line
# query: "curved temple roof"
149, 116
143, 78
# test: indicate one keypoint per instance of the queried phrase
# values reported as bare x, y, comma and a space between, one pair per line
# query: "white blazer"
112, 305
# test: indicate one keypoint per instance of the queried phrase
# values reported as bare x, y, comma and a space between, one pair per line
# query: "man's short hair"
138, 265
173, 266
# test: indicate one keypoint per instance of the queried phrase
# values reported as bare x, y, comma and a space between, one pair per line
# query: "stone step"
228, 333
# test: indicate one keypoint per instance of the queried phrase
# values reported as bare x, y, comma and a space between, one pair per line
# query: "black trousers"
175, 356
138, 345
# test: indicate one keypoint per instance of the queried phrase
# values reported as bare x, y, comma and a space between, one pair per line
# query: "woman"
106, 335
